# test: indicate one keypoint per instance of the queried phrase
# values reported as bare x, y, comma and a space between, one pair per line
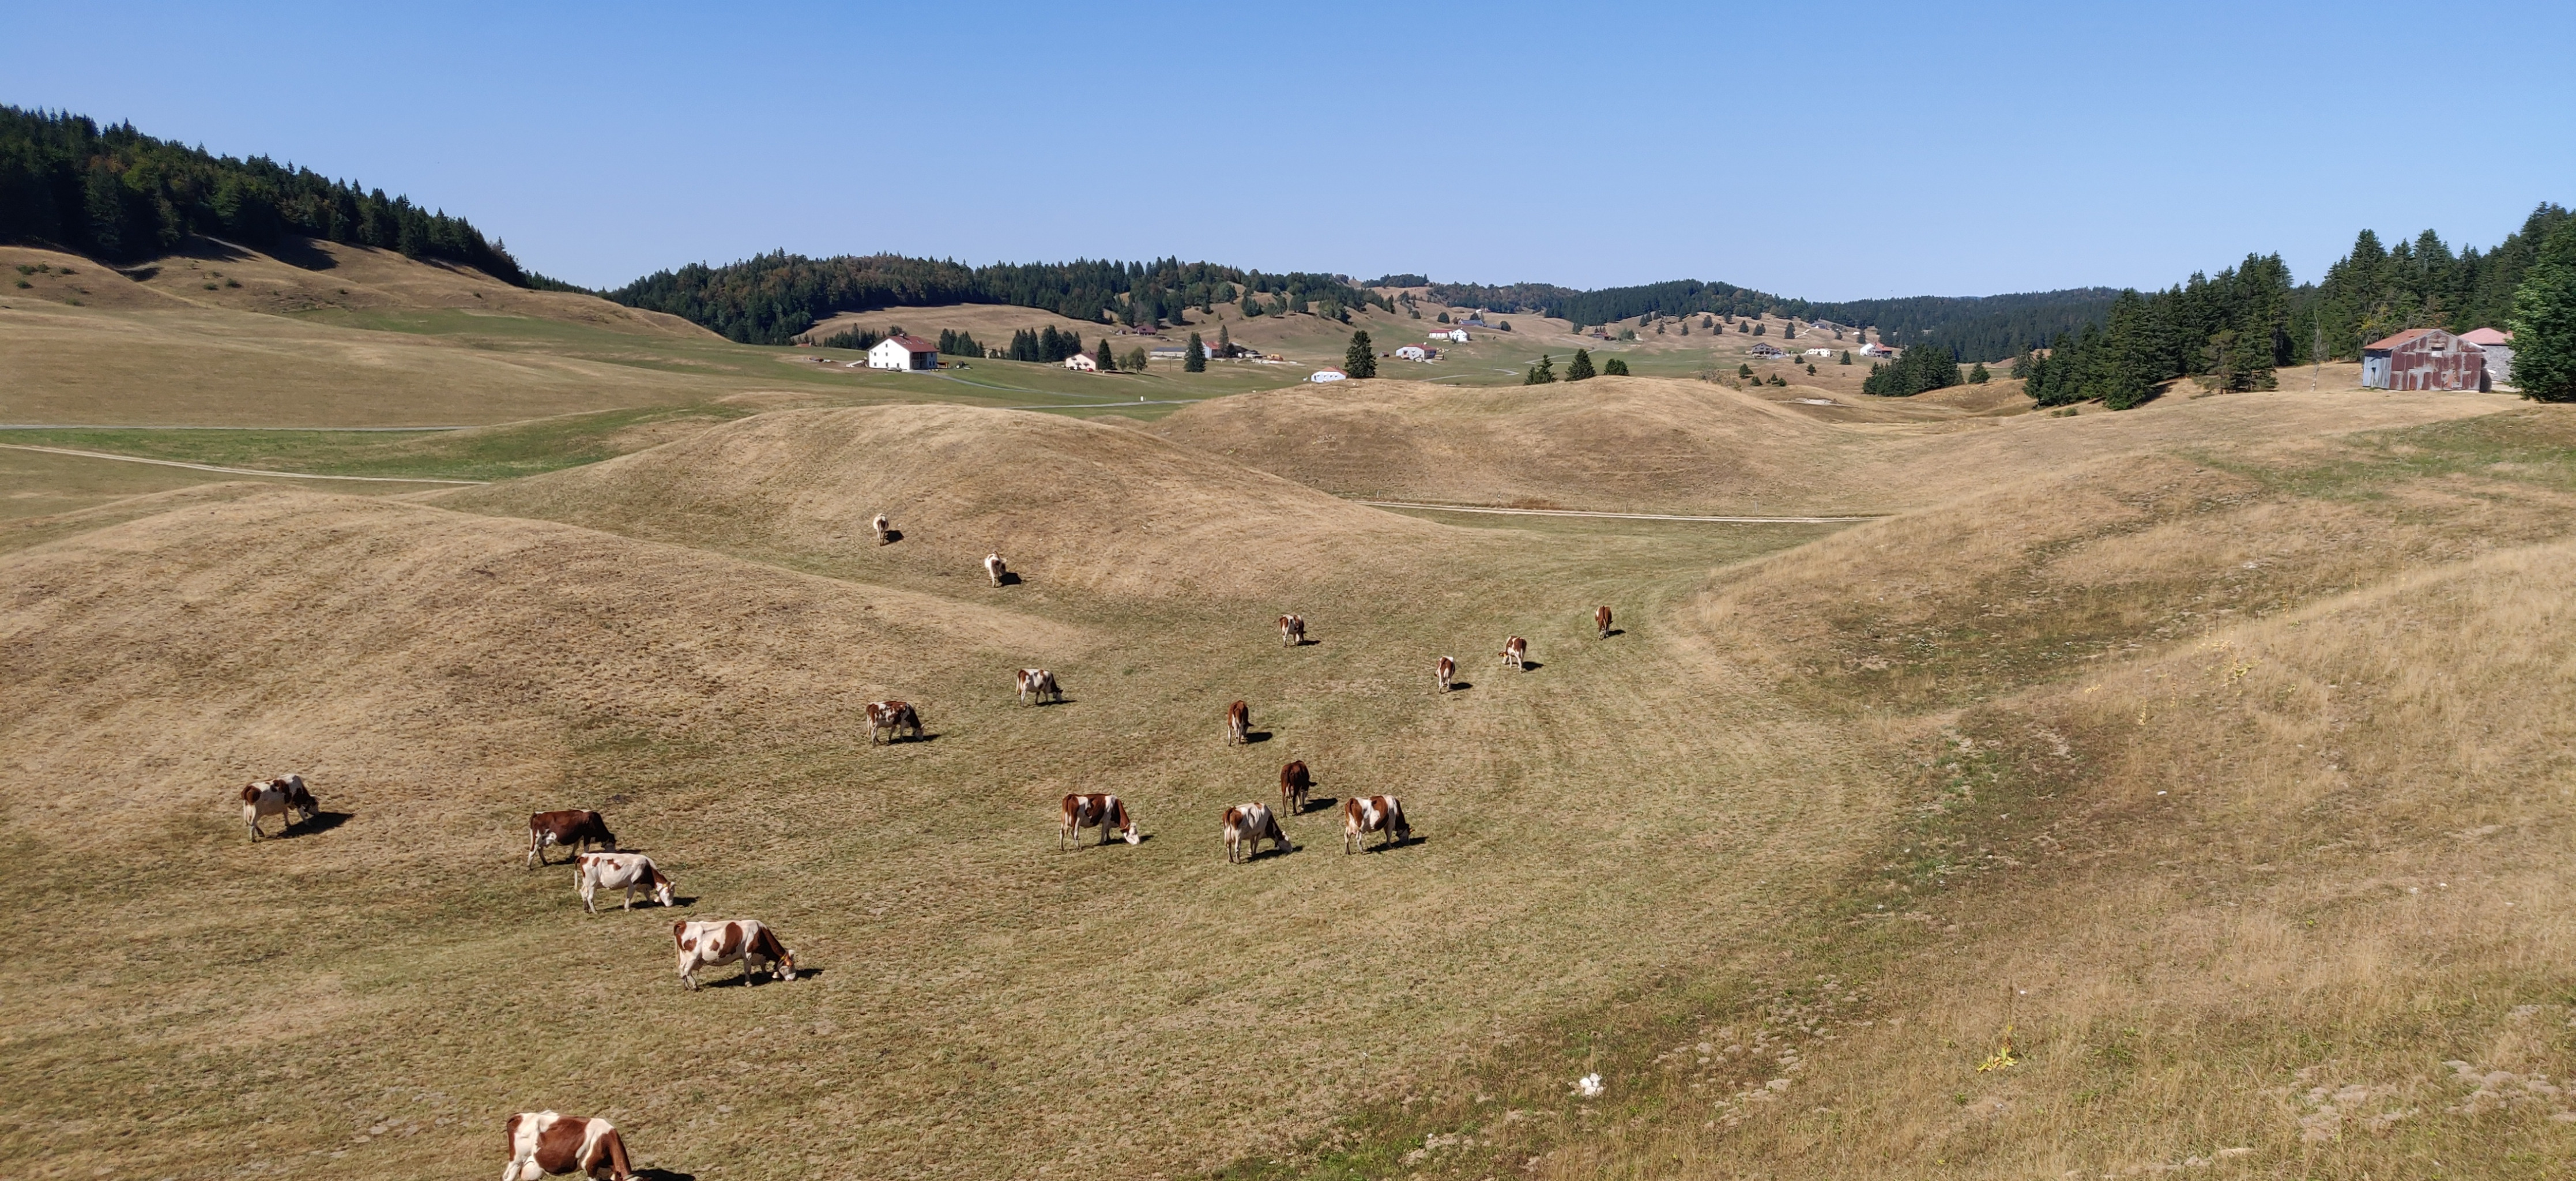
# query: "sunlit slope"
1675, 445
1067, 503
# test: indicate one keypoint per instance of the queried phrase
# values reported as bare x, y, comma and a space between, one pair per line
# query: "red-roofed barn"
2423, 359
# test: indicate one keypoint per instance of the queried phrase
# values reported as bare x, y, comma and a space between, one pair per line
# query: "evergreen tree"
1105, 356
1195, 360
1580, 367
1224, 342
1744, 371
1543, 373
1442, 318
1758, 329
1811, 369
1744, 327
2544, 320
1614, 367
1360, 360
1976, 376
1136, 359
1846, 358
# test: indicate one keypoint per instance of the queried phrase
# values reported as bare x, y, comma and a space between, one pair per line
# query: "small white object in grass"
1589, 1086
2160, 793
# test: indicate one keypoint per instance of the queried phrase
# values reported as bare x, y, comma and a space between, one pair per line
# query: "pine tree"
1614, 367
1580, 367
1976, 376
1360, 360
2544, 320
1442, 318
1543, 373
1846, 358
1195, 360
1105, 356
1744, 371
1224, 342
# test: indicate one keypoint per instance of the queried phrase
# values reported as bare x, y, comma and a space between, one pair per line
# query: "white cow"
630, 872
880, 526
1246, 826
283, 798
995, 568
1039, 684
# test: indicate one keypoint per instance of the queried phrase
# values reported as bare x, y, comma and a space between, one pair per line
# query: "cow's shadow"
1406, 843
319, 822
746, 980
1456, 685
1303, 642
1270, 850
662, 1175
1616, 631
1010, 578
1531, 666
1253, 736
901, 739
892, 536
1318, 804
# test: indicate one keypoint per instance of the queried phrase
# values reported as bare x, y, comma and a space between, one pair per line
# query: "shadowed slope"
1668, 445
1065, 502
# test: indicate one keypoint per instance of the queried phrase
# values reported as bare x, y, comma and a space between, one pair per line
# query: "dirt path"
1565, 512
232, 471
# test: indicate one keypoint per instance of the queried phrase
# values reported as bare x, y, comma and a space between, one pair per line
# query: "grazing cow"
1362, 815
894, 718
994, 568
1601, 621
1106, 811
1238, 723
1038, 684
285, 798
574, 829
1246, 826
545, 1142
1447, 671
1295, 784
713, 944
619, 871
1516, 653
1292, 630
881, 528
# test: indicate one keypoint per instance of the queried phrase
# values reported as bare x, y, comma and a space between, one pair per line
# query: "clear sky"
1830, 152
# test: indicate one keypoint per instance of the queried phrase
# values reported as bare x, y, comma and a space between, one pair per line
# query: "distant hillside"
1981, 326
772, 298
123, 196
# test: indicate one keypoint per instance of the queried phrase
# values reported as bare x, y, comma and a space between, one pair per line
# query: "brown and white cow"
284, 797
995, 568
1362, 815
881, 527
1295, 784
546, 1142
1107, 812
1292, 630
1446, 671
1601, 621
894, 718
574, 829
1246, 826
593, 872
715, 943
1238, 724
1516, 653
1039, 685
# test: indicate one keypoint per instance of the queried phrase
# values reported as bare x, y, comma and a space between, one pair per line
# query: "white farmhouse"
903, 352
1083, 362
1820, 352
1453, 336
1875, 349
1415, 352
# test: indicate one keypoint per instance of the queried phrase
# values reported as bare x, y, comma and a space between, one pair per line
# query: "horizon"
2134, 157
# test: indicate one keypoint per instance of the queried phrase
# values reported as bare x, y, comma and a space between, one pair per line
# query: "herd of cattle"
547, 1142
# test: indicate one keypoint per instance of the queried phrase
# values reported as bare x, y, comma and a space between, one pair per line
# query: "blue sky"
1830, 152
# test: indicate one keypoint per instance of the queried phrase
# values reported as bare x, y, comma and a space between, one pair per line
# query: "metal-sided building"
2423, 359
2498, 346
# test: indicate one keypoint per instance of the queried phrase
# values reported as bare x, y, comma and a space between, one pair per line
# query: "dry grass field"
2216, 748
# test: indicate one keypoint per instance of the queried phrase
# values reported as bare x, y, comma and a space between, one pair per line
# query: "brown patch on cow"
510, 1134
732, 945
559, 1146
680, 936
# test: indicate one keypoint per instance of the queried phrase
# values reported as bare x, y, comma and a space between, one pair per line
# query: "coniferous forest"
118, 195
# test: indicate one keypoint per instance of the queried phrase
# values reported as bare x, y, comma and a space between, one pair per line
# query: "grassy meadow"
2182, 789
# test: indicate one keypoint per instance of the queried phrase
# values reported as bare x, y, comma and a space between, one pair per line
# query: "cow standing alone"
1601, 621
1039, 684
882, 528
713, 944
894, 718
544, 1142
1295, 784
1107, 811
1516, 653
284, 798
630, 872
1292, 630
1446, 672
1246, 826
995, 568
1238, 724
1362, 815
574, 829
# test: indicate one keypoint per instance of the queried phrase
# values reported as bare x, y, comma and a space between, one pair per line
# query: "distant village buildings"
1452, 335
1766, 350
1876, 349
1417, 352
1170, 352
903, 352
1820, 352
2423, 359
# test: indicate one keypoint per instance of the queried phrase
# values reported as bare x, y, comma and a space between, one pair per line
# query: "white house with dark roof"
903, 352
